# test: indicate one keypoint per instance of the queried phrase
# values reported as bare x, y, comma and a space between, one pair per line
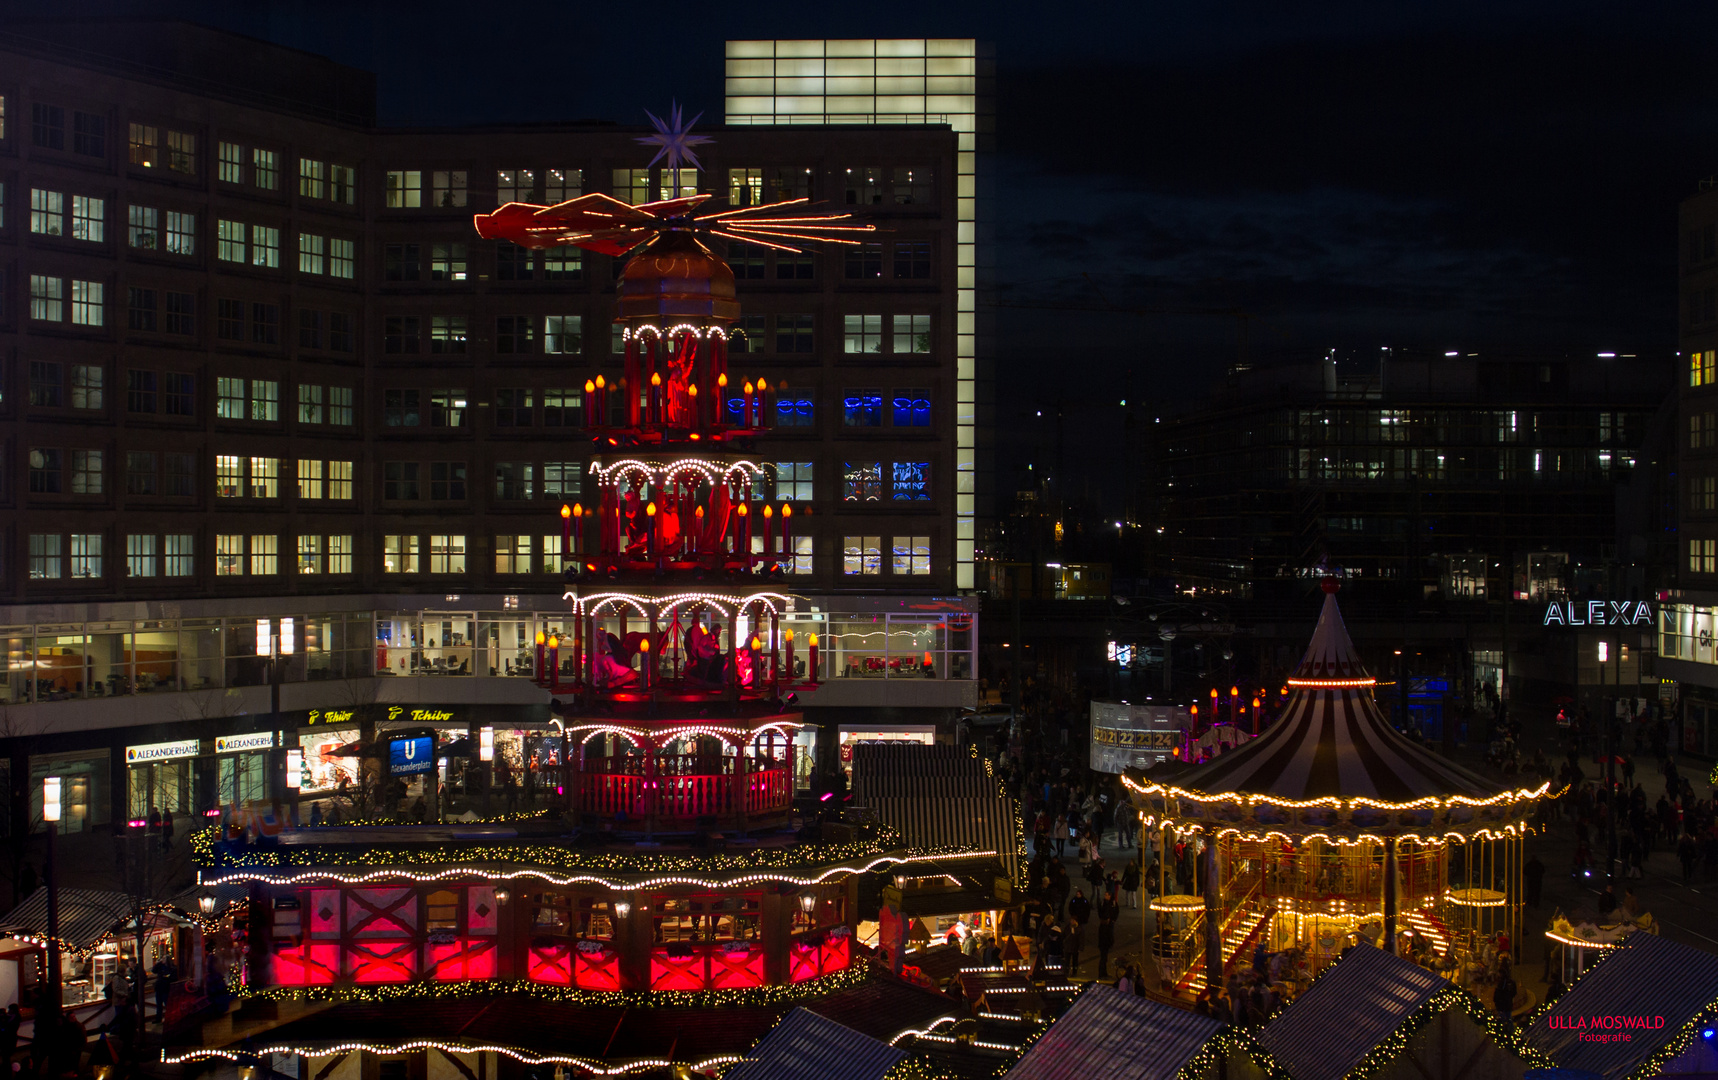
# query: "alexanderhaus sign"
1598, 613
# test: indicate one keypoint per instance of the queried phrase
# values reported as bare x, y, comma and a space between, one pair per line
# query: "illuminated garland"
1022, 861
1507, 832
594, 1068
403, 858
1335, 802
745, 997
462, 873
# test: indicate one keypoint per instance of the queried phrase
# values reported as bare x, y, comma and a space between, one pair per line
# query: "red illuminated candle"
720, 404
745, 537
769, 515
656, 396
601, 417
578, 529
811, 671
746, 407
650, 533
590, 403
566, 530
786, 542
698, 528
787, 636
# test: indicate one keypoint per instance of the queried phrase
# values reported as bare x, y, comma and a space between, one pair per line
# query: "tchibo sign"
1598, 613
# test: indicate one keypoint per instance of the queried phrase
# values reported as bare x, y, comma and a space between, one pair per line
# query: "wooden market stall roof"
1647, 977
938, 797
806, 1044
1350, 1009
1109, 1035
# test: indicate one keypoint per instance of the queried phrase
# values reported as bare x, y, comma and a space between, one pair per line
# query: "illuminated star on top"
674, 139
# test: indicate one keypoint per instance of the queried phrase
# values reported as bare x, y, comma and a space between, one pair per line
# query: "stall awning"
86, 916
806, 1044
1109, 1035
1350, 1009
937, 796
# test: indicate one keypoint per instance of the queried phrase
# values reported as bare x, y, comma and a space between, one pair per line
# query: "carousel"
1332, 828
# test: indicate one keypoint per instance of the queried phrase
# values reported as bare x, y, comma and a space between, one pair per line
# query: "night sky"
1458, 174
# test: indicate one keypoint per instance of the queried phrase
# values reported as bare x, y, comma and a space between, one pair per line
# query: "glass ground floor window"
84, 789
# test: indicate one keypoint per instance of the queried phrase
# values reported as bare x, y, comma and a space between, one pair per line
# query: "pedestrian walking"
1108, 912
1130, 883
1071, 945
164, 974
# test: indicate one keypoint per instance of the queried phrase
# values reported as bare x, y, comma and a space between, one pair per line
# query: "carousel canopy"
937, 797
1347, 1012
1649, 977
1332, 739
1109, 1035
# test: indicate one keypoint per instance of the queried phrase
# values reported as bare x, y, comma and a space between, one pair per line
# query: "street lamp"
206, 904
51, 816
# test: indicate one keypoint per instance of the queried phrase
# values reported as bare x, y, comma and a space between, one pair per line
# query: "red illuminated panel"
802, 962
676, 972
324, 917
481, 910
550, 964
381, 961
835, 955
597, 970
458, 961
735, 970
313, 963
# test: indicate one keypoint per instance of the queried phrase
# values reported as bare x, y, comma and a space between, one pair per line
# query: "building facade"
259, 367
1687, 623
1474, 489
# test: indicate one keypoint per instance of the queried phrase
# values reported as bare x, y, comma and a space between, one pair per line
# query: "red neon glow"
551, 964
381, 961
736, 970
597, 970
677, 972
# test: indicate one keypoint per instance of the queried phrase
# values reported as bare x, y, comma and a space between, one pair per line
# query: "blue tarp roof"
1109, 1035
1346, 1012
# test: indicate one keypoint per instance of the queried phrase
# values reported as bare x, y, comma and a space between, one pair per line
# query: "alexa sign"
1599, 613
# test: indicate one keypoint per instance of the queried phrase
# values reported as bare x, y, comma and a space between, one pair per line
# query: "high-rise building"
1687, 625
262, 381
910, 81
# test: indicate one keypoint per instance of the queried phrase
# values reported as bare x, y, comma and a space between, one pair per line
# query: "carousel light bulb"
554, 641
599, 382
748, 387
743, 512
769, 511
541, 637
786, 510
650, 509
578, 510
590, 387
698, 513
813, 640
722, 380
655, 378
787, 635
566, 511
692, 389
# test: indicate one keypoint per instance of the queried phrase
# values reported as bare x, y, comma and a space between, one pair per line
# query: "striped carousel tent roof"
1332, 739
937, 796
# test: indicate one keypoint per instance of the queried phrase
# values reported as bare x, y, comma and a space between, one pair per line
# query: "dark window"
912, 408
265, 324
89, 134
747, 260
400, 262
181, 313
400, 480
400, 408
563, 264
512, 262
514, 334
862, 408
230, 320
749, 335
339, 331
447, 480
309, 329
45, 471
865, 261
563, 408
45, 385
513, 408
178, 393
140, 391
181, 474
140, 309
793, 334
139, 472
400, 334
913, 259
48, 126
795, 267
912, 185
